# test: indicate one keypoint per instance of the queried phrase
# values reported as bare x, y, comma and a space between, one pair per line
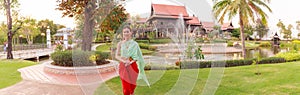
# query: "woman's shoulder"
134, 42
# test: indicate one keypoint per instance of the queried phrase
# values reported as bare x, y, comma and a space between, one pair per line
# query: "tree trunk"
87, 33
242, 36
9, 27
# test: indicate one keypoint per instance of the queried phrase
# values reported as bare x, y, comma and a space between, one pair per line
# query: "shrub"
199, 40
230, 43
227, 63
271, 60
59, 47
160, 41
101, 57
289, 56
143, 41
235, 39
69, 58
265, 44
62, 58
256, 42
296, 41
82, 58
147, 46
160, 67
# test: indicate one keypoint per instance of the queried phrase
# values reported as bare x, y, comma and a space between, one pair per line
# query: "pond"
172, 57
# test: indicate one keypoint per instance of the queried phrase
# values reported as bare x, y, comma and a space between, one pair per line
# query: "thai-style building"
164, 19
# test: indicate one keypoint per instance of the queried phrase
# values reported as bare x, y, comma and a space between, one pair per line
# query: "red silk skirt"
128, 76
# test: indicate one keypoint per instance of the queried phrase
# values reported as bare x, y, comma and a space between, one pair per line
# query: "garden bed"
85, 70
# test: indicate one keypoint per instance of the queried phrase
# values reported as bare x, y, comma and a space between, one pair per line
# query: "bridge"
28, 54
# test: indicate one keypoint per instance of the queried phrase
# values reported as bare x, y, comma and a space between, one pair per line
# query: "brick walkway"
37, 82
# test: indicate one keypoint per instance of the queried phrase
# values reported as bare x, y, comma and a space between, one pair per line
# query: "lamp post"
48, 37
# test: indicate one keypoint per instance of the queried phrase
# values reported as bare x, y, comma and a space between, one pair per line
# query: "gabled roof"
194, 21
208, 25
226, 26
169, 10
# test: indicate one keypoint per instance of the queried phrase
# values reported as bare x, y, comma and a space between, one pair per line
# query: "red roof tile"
208, 25
169, 10
194, 21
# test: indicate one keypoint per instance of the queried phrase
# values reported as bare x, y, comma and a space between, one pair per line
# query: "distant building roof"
194, 21
210, 26
227, 26
169, 10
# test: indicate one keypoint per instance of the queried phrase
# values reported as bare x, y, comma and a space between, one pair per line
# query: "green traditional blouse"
131, 49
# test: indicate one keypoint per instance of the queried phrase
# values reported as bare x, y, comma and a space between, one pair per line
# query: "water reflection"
250, 53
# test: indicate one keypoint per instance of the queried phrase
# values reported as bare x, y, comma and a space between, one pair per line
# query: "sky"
45, 9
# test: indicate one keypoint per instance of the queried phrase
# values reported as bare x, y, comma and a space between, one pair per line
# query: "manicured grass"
8, 71
104, 48
146, 52
278, 79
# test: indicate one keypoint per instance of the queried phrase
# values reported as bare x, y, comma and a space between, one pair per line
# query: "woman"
132, 63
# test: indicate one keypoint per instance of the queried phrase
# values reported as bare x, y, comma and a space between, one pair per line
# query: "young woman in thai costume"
132, 63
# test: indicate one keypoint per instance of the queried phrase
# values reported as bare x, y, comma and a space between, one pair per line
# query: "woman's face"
126, 33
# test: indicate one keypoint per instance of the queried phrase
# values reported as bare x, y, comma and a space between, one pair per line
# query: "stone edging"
87, 70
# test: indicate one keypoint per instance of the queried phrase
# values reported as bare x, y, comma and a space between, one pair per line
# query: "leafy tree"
43, 25
287, 31
261, 28
92, 12
112, 22
236, 33
8, 6
246, 10
29, 29
3, 36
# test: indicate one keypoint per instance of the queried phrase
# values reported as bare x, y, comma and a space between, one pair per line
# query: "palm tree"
246, 10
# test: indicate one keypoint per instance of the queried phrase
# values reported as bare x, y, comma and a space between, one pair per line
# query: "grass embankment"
8, 71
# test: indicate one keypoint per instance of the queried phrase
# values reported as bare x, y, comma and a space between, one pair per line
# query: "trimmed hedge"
227, 63
143, 41
101, 57
160, 67
147, 46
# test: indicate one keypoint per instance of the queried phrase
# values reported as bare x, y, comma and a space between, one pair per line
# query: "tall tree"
246, 10
92, 11
261, 28
286, 31
112, 21
29, 29
7, 6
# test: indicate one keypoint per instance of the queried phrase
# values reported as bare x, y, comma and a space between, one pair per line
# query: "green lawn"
8, 71
104, 48
279, 79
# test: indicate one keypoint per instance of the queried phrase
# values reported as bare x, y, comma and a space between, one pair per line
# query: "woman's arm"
117, 55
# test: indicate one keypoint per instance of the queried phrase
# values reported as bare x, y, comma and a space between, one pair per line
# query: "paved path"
37, 82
